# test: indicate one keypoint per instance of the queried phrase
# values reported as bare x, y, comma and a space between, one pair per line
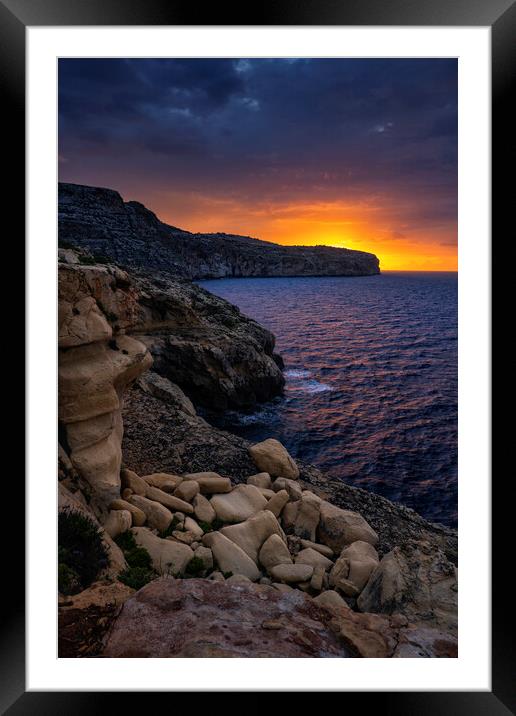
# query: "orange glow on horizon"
375, 226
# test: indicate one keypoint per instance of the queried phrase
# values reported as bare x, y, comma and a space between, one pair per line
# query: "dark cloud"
278, 129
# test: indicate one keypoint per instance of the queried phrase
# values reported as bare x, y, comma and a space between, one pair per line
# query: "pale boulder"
205, 555
331, 600
274, 551
230, 557
277, 502
169, 501
117, 521
138, 516
338, 528
270, 456
289, 514
314, 558
317, 581
192, 526
130, 480
163, 481
293, 488
322, 548
187, 490
355, 565
261, 479
239, 504
203, 509
292, 573
210, 483
307, 517
157, 515
238, 579
167, 557
251, 534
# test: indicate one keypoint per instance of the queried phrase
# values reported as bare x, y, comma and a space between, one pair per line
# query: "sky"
355, 153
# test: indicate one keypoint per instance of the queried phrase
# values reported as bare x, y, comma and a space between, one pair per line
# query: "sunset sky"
359, 153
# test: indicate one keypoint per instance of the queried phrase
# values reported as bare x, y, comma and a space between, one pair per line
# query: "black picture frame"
500, 15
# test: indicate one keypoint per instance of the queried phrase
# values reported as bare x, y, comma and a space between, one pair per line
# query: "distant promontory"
98, 220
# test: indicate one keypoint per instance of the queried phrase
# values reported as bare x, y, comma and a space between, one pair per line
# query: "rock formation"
128, 233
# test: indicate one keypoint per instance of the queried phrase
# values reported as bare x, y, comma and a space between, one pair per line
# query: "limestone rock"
251, 534
239, 504
210, 483
261, 479
157, 515
277, 502
291, 572
330, 599
203, 509
187, 490
270, 456
355, 565
130, 480
192, 526
293, 488
117, 521
163, 481
339, 528
317, 581
203, 618
138, 516
322, 548
167, 557
312, 557
169, 501
307, 517
166, 391
289, 514
230, 557
274, 551
415, 580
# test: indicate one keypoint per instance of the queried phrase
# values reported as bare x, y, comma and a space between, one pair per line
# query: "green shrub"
172, 526
80, 549
87, 260
126, 541
206, 527
217, 524
136, 577
195, 567
68, 580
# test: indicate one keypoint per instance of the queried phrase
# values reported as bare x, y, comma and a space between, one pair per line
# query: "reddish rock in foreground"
199, 618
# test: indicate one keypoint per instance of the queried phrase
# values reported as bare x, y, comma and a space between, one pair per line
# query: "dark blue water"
371, 369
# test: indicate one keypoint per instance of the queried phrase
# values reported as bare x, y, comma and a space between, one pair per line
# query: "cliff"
216, 547
128, 233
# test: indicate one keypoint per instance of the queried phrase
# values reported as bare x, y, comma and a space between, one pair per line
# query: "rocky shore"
209, 546
128, 233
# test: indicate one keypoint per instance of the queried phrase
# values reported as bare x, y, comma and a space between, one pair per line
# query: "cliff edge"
128, 233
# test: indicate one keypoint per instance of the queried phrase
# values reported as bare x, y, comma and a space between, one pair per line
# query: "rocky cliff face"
131, 235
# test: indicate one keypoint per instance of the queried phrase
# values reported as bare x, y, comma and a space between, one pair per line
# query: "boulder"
167, 557
251, 534
291, 572
172, 503
270, 456
157, 515
289, 514
277, 502
331, 600
187, 490
238, 579
338, 528
239, 504
117, 521
280, 587
416, 580
203, 509
210, 483
274, 551
204, 618
163, 481
192, 526
312, 557
184, 537
261, 479
317, 581
307, 517
138, 516
132, 481
230, 557
354, 565
293, 488
322, 548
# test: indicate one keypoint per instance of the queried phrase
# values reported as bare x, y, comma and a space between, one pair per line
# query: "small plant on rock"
136, 577
81, 554
195, 567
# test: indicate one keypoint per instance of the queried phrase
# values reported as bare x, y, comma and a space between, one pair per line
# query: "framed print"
270, 354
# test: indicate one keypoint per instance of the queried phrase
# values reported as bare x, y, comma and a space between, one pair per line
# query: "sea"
371, 379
